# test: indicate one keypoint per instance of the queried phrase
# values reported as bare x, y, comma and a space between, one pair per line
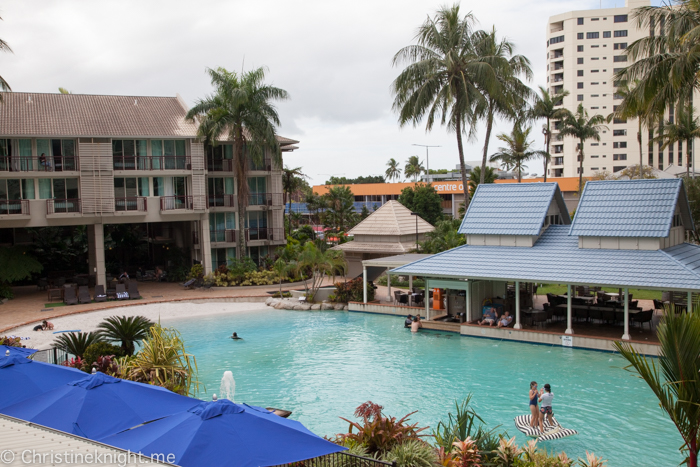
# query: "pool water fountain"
228, 386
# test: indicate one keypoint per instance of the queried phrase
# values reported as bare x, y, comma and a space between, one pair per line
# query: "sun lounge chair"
189, 284
100, 295
134, 290
122, 294
84, 294
69, 297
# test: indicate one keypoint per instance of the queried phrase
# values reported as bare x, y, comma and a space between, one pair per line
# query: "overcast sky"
333, 57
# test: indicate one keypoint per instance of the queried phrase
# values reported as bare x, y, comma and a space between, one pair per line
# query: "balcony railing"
223, 236
221, 201
14, 206
263, 233
220, 165
172, 203
31, 164
265, 199
151, 163
134, 203
55, 206
265, 164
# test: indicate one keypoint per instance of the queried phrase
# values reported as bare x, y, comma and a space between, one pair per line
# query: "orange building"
371, 194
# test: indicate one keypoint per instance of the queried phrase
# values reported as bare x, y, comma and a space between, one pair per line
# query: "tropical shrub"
162, 361
15, 265
379, 433
352, 291
11, 341
259, 278
196, 272
108, 365
100, 349
76, 363
76, 343
465, 423
127, 330
414, 453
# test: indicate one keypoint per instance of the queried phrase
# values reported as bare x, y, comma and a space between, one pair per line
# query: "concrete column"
517, 306
626, 335
690, 302
427, 300
98, 246
205, 244
388, 286
92, 257
569, 330
364, 284
468, 299
410, 284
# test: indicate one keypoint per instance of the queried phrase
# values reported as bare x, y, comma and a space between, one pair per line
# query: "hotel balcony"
63, 206
131, 204
264, 233
32, 164
222, 201
14, 207
151, 163
181, 203
223, 236
265, 199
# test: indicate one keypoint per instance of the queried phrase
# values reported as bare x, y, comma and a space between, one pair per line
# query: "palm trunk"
489, 127
242, 180
693, 452
580, 170
289, 214
639, 140
462, 167
687, 158
547, 138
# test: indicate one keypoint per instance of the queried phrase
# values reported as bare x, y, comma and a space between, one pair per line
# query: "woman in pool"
235, 337
534, 396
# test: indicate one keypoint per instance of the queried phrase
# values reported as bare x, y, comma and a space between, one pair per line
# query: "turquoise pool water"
322, 365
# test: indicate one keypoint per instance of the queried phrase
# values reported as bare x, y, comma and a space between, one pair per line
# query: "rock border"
291, 304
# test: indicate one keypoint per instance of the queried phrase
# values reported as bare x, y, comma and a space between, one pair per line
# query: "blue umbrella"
99, 405
222, 433
21, 378
21, 351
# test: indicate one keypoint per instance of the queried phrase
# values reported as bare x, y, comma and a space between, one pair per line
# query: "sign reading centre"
448, 187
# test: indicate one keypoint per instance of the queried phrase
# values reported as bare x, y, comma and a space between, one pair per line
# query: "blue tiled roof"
630, 208
511, 209
556, 258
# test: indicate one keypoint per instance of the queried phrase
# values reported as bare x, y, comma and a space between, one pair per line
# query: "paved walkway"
28, 306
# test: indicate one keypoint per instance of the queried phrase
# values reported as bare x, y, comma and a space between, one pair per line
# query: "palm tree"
125, 330
319, 264
675, 381
517, 149
632, 107
414, 167
75, 343
685, 128
580, 126
545, 107
475, 177
393, 171
241, 110
445, 237
4, 47
507, 94
440, 80
340, 213
292, 181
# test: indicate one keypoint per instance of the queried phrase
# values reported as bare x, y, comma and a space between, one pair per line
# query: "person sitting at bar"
505, 320
490, 316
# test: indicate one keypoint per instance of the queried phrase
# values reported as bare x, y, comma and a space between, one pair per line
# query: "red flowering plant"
76, 362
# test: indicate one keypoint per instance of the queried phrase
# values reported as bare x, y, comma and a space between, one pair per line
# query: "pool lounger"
522, 423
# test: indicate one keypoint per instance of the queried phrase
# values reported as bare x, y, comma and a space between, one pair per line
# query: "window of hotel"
594, 95
16, 155
595, 71
130, 187
217, 188
620, 19
125, 152
579, 21
219, 222
579, 35
595, 19
579, 85
258, 188
168, 154
579, 61
556, 40
594, 83
595, 144
592, 35
595, 46
256, 221
579, 97
579, 48
619, 157
606, 34
620, 46
60, 153
621, 33
619, 132
220, 256
619, 120
216, 155
169, 186
620, 144
595, 58
594, 157
620, 58
579, 73
14, 189
58, 188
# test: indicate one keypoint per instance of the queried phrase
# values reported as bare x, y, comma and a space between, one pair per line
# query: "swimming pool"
322, 365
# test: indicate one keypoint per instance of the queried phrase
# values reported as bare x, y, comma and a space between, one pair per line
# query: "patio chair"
84, 294
397, 293
403, 299
100, 295
69, 297
43, 284
122, 294
134, 290
595, 313
539, 319
643, 317
580, 314
189, 284
418, 299
55, 294
60, 282
608, 315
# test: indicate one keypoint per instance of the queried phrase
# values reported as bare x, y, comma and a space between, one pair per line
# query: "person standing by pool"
534, 395
546, 408
416, 324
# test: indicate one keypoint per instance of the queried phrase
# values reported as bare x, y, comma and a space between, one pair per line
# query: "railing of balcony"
221, 236
220, 165
171, 203
54, 206
225, 201
151, 163
133, 203
265, 199
14, 206
264, 233
264, 164
31, 164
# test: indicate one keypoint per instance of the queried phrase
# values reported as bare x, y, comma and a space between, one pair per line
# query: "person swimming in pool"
235, 337
408, 321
